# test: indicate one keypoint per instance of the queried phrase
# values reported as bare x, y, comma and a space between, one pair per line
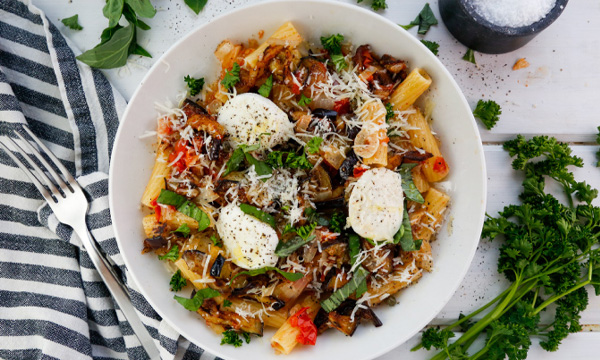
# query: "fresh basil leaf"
288, 275
362, 288
184, 206
111, 54
470, 56
304, 100
284, 249
408, 185
108, 33
234, 162
354, 247
196, 302
72, 23
136, 49
183, 229
172, 255
265, 89
113, 11
143, 8
196, 5
345, 291
142, 25
404, 236
425, 20
259, 214
226, 303
261, 167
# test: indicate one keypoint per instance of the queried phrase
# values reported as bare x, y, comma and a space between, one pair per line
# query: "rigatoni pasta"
298, 191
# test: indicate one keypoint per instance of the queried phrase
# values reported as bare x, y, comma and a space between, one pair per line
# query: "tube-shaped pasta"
403, 275
420, 135
410, 89
286, 35
423, 257
273, 318
371, 141
434, 206
157, 178
284, 339
419, 179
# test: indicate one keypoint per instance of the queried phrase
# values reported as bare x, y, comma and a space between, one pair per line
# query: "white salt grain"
512, 13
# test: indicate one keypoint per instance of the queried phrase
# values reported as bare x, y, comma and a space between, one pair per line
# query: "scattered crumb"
261, 33
520, 64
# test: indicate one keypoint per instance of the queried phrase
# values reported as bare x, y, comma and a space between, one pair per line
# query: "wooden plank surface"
558, 95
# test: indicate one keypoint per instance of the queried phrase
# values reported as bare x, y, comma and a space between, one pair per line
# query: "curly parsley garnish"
231, 77
265, 89
487, 112
376, 4
432, 46
195, 85
177, 281
304, 100
312, 146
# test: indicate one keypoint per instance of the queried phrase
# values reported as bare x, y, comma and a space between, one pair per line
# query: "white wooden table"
557, 95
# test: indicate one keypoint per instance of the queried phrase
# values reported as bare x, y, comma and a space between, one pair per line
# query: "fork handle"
118, 291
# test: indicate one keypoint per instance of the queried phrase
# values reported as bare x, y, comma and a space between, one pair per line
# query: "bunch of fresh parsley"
550, 255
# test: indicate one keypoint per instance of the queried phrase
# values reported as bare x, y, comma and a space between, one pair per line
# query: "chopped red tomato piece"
180, 151
157, 209
358, 171
342, 106
295, 85
164, 126
440, 165
308, 330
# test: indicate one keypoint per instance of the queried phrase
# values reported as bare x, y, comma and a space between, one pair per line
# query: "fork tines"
40, 168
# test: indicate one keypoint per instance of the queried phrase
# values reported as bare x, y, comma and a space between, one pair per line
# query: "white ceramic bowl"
133, 159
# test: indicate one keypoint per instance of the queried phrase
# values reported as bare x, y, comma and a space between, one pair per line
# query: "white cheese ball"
250, 242
253, 119
376, 205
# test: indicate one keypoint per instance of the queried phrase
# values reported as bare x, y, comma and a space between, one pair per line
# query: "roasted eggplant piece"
213, 148
416, 156
347, 168
190, 107
158, 239
335, 203
215, 270
392, 64
195, 260
324, 113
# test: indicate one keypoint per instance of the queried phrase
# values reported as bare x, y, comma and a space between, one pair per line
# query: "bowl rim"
519, 31
214, 348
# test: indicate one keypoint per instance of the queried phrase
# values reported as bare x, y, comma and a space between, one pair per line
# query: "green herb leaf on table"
72, 23
312, 146
265, 89
184, 206
333, 43
376, 4
172, 255
111, 54
304, 101
177, 281
231, 77
183, 229
424, 20
487, 112
259, 214
113, 11
432, 46
288, 275
549, 255
195, 85
408, 185
598, 142
470, 56
196, 302
345, 291
143, 8
196, 5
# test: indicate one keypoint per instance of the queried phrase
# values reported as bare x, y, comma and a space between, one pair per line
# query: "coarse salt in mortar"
512, 13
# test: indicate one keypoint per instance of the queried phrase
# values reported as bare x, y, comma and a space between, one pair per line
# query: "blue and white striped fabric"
52, 301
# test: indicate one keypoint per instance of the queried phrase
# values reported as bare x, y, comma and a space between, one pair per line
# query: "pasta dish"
298, 190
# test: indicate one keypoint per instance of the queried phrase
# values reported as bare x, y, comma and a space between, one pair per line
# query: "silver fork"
70, 206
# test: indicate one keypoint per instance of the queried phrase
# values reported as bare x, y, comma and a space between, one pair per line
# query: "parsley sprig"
231, 77
376, 4
177, 281
432, 46
195, 85
549, 254
487, 112
333, 45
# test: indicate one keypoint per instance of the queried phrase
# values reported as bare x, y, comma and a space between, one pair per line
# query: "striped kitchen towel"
53, 304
